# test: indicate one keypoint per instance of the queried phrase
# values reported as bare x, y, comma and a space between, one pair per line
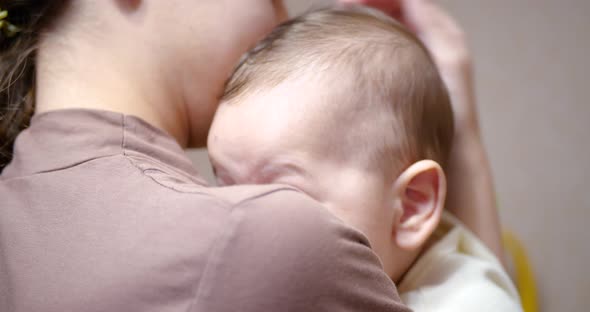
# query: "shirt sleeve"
284, 252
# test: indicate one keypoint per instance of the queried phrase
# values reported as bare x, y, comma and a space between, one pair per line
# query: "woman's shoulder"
285, 250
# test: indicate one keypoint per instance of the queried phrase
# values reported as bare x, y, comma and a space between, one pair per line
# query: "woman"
102, 211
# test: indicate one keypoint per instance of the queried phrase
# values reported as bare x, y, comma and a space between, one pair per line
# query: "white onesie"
458, 273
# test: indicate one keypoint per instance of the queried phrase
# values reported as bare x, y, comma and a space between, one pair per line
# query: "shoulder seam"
133, 163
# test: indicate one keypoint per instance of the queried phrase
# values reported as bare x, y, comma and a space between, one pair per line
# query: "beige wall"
532, 69
533, 62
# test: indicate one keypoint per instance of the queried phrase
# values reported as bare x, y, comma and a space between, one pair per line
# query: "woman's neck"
148, 59
89, 71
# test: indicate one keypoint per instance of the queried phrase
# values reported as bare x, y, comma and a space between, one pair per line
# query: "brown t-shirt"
102, 212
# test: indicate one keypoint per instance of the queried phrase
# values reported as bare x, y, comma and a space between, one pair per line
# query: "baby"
345, 105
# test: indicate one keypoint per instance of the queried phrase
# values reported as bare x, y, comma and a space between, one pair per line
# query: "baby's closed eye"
286, 173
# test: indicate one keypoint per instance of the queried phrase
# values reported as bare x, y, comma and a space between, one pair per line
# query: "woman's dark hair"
17, 66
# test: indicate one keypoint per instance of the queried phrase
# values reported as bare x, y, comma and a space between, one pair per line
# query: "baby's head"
347, 106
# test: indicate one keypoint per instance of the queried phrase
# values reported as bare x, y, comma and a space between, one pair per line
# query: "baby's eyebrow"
275, 169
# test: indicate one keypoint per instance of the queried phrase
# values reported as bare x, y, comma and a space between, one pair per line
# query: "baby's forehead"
307, 113
301, 105
280, 114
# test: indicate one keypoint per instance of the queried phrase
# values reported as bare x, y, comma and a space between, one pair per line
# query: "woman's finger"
391, 7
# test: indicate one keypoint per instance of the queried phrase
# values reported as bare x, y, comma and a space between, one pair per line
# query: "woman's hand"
471, 192
391, 7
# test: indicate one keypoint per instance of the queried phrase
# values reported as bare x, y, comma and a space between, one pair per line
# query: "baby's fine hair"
389, 99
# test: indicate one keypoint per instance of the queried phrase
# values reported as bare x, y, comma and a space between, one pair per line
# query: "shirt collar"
64, 138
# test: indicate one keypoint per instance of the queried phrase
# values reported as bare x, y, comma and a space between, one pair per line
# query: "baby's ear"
420, 191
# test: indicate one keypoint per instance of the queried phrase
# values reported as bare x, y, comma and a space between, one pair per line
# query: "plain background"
532, 65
